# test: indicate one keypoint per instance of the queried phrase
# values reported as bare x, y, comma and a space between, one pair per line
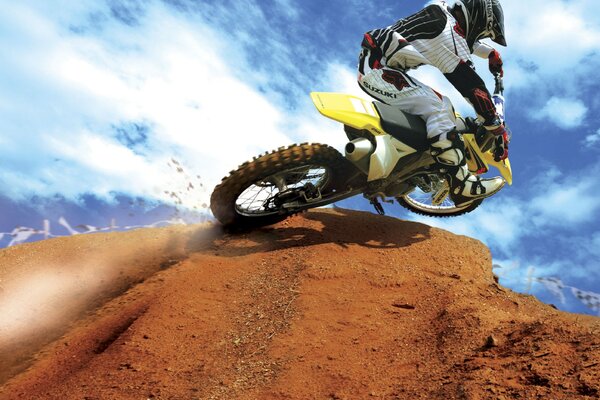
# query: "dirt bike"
387, 157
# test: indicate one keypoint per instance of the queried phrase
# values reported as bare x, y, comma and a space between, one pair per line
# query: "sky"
127, 113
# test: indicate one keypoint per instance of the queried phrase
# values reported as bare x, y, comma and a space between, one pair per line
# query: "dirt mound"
331, 304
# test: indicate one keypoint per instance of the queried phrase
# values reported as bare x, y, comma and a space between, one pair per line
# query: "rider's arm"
495, 60
395, 41
403, 55
471, 86
482, 50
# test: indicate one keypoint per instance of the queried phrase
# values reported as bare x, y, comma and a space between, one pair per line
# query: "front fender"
480, 159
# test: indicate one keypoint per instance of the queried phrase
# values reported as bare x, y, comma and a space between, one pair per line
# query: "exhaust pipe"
358, 149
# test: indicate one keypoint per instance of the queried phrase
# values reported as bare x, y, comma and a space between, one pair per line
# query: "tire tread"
222, 201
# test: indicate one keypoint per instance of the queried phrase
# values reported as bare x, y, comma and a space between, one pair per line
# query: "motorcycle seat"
407, 128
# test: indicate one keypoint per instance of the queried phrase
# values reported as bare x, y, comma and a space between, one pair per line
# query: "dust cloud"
46, 287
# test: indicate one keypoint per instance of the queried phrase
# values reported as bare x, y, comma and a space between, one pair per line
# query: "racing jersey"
432, 36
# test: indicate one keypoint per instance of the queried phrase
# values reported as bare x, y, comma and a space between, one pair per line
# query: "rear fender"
361, 114
349, 110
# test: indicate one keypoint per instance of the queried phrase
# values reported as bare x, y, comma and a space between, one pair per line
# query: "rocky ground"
332, 304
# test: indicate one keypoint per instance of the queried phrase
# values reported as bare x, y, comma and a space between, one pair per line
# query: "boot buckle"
440, 195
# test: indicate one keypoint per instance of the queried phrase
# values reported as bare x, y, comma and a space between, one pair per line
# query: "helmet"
484, 19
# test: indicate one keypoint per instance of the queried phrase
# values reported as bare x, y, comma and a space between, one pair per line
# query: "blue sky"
108, 108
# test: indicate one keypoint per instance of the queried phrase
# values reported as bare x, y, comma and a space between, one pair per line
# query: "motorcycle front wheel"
275, 185
426, 203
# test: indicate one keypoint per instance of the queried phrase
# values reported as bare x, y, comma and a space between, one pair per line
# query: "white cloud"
553, 48
555, 35
70, 90
570, 201
556, 201
566, 113
496, 223
288, 8
592, 140
564, 199
62, 91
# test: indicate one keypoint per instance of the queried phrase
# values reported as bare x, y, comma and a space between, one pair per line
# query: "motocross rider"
443, 36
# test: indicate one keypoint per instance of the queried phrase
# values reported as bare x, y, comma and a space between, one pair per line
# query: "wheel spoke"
279, 181
424, 200
257, 198
261, 202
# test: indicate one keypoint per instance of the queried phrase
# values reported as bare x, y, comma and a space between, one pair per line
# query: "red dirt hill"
331, 304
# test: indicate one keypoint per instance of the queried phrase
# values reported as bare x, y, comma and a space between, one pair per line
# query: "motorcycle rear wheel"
255, 194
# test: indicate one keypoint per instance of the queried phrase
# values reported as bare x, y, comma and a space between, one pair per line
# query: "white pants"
396, 88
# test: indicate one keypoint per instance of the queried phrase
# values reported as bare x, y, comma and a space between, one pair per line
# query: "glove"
495, 62
501, 142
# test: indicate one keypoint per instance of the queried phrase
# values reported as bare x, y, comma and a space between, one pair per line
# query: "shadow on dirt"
342, 227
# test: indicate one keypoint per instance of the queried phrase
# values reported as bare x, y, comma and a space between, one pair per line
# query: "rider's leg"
449, 151
396, 88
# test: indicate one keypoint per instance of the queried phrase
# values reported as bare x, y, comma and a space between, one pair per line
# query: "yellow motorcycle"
386, 158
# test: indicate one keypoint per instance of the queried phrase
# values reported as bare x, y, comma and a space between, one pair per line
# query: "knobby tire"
223, 198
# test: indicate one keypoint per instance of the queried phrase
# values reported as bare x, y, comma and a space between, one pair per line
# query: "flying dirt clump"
329, 304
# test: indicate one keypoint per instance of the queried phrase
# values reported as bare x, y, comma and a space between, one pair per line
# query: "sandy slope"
327, 305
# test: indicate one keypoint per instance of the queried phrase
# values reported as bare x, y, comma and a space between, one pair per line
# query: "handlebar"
499, 89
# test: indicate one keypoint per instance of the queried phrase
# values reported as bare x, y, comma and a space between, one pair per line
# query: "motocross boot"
449, 151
